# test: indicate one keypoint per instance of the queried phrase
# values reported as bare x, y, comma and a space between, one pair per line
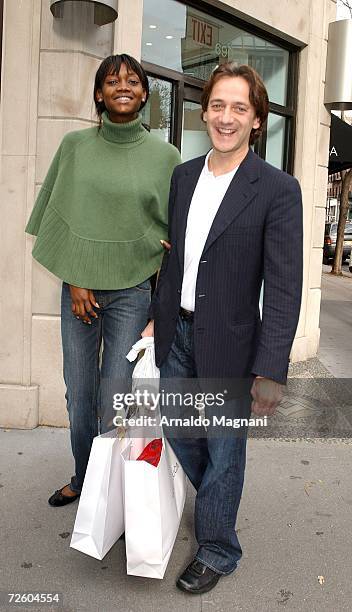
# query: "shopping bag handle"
141, 345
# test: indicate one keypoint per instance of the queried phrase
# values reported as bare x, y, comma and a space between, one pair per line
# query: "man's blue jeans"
215, 467
123, 314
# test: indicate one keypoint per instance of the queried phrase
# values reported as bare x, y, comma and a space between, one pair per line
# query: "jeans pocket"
144, 286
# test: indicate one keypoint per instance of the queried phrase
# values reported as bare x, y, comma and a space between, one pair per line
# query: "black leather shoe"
198, 578
58, 499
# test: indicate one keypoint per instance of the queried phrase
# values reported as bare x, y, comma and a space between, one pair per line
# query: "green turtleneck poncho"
102, 209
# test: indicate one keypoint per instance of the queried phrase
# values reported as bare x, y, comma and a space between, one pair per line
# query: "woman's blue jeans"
94, 356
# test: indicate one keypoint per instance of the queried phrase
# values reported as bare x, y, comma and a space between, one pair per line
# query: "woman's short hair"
112, 65
258, 95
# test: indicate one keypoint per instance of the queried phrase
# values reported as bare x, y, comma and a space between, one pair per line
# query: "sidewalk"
294, 521
294, 525
335, 351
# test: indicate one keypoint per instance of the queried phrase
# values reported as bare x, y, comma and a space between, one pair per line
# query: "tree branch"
347, 4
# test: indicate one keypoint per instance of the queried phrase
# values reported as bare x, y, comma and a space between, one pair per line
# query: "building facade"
48, 68
334, 198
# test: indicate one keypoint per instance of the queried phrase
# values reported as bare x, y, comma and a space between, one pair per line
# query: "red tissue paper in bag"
152, 452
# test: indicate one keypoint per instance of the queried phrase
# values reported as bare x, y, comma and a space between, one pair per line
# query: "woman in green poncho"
99, 219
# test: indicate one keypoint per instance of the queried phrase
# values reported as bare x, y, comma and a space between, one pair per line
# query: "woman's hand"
149, 330
83, 301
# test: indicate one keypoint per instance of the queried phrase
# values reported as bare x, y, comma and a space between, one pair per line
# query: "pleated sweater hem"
60, 248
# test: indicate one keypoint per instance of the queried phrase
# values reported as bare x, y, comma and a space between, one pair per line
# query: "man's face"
230, 117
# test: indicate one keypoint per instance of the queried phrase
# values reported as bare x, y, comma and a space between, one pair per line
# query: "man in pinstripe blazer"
234, 221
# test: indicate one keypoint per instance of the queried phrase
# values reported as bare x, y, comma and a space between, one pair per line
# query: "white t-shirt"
207, 197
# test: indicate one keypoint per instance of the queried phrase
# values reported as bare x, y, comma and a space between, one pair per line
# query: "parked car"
330, 242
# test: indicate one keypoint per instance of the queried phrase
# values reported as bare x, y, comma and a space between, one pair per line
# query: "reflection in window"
157, 112
187, 40
275, 140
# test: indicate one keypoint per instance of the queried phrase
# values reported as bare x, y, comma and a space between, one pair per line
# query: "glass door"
173, 113
157, 113
194, 139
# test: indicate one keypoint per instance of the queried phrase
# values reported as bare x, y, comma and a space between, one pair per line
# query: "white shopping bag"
145, 376
154, 501
100, 515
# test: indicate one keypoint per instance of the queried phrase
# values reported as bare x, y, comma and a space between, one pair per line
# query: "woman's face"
122, 94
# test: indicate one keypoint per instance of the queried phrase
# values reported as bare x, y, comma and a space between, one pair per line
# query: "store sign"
202, 32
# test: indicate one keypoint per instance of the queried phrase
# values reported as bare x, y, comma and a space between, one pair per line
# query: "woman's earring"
100, 99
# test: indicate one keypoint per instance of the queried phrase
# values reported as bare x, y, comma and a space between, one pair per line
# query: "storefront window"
275, 140
187, 40
182, 45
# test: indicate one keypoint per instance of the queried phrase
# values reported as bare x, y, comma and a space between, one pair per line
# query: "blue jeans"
96, 353
215, 467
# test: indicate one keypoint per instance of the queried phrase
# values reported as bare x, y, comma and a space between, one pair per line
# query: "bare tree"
344, 207
346, 176
347, 4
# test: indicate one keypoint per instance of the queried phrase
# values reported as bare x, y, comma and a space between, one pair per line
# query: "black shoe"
58, 499
198, 578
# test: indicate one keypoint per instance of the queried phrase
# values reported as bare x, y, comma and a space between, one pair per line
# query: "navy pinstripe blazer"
256, 235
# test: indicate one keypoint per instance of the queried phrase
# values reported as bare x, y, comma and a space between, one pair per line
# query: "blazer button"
178, 290
204, 261
200, 295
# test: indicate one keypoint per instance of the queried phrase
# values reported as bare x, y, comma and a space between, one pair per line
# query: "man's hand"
149, 330
166, 245
267, 395
83, 301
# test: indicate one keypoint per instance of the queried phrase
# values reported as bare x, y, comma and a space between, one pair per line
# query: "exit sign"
202, 32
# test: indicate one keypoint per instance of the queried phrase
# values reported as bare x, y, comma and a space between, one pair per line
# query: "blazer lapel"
187, 187
240, 193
